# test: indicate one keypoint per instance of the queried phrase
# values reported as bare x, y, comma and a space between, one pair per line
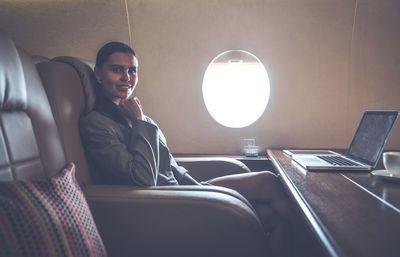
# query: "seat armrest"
175, 221
206, 168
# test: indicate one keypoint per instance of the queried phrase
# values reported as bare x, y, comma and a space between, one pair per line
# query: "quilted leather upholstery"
30, 146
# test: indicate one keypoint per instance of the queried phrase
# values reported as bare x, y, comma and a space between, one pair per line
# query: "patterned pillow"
47, 218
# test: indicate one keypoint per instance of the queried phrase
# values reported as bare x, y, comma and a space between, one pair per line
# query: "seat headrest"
85, 70
12, 81
30, 146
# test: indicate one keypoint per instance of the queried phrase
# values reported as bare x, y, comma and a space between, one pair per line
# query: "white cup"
391, 161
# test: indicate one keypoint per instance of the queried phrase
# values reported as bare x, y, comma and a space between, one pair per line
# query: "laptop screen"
371, 136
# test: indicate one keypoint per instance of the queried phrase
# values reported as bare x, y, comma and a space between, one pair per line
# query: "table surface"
351, 213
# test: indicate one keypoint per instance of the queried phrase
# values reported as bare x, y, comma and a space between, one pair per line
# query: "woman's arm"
133, 162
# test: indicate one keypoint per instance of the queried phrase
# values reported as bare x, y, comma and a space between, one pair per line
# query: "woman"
127, 147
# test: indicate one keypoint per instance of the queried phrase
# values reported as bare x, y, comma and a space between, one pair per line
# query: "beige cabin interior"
327, 61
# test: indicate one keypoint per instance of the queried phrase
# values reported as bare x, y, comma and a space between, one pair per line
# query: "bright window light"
236, 88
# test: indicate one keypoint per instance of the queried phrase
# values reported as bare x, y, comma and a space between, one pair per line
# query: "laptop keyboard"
338, 160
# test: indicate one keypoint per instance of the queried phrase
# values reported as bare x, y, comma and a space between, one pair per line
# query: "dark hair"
110, 48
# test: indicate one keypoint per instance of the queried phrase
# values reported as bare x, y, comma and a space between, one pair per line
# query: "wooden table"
351, 213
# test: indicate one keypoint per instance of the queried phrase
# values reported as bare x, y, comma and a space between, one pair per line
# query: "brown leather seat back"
30, 146
71, 88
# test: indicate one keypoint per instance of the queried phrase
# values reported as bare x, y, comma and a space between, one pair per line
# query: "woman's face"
118, 76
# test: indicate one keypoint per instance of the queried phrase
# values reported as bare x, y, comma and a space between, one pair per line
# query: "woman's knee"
267, 178
254, 186
269, 187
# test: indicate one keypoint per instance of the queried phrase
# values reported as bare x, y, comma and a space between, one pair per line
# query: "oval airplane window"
236, 88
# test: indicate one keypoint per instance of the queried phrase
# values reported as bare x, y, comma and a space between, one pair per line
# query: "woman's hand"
132, 108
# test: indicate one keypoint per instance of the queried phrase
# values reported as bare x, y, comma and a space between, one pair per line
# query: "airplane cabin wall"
327, 61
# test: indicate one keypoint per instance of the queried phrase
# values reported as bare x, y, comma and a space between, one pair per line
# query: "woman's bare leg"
279, 240
262, 187
271, 204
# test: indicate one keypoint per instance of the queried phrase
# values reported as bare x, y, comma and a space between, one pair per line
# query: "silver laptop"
365, 148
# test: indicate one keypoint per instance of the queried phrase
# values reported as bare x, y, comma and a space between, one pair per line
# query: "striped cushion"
47, 218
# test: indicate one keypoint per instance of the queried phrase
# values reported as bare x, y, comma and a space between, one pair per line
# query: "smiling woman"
236, 88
